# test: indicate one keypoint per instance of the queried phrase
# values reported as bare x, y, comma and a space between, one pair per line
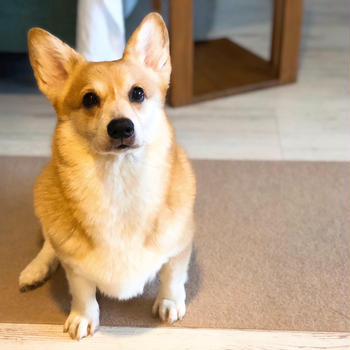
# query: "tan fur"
113, 218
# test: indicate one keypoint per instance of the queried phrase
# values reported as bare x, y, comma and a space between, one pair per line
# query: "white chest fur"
116, 200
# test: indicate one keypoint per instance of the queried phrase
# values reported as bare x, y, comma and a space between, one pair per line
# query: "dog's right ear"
52, 61
149, 46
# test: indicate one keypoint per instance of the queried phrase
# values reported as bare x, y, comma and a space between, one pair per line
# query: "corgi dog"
116, 200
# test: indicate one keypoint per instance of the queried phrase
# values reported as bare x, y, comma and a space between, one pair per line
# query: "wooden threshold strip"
44, 336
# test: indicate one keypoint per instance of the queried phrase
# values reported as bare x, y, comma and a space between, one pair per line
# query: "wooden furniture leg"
181, 46
287, 23
157, 6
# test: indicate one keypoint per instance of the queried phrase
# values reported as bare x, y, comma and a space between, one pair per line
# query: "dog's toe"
80, 326
169, 310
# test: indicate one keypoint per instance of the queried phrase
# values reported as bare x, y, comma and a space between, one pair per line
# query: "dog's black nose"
121, 128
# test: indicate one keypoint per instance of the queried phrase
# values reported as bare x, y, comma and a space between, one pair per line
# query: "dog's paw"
79, 326
169, 310
34, 275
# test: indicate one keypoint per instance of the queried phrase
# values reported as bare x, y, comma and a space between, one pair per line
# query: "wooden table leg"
181, 45
157, 6
287, 23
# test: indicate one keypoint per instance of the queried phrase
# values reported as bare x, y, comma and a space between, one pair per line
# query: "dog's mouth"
123, 144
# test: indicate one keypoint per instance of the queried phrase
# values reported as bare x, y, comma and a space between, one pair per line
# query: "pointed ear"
52, 61
149, 45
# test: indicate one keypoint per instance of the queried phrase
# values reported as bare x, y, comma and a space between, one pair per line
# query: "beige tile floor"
307, 120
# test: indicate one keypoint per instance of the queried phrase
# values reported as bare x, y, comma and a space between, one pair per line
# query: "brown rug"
271, 251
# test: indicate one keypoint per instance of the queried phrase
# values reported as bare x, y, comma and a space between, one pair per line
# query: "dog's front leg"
84, 315
170, 303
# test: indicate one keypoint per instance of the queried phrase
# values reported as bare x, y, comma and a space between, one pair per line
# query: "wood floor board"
44, 336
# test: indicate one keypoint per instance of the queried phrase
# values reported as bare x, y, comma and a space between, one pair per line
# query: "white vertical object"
100, 29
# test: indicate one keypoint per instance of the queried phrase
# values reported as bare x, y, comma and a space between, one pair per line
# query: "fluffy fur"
112, 218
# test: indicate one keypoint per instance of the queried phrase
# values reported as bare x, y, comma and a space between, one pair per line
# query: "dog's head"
115, 105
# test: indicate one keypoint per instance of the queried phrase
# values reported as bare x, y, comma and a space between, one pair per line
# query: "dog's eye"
90, 99
136, 94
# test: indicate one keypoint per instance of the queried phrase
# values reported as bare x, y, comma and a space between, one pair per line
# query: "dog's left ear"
52, 61
149, 45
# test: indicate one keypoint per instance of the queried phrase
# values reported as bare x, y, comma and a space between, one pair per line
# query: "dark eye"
136, 94
90, 100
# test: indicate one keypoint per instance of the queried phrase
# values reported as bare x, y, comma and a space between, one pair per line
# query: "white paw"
33, 275
79, 326
169, 310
